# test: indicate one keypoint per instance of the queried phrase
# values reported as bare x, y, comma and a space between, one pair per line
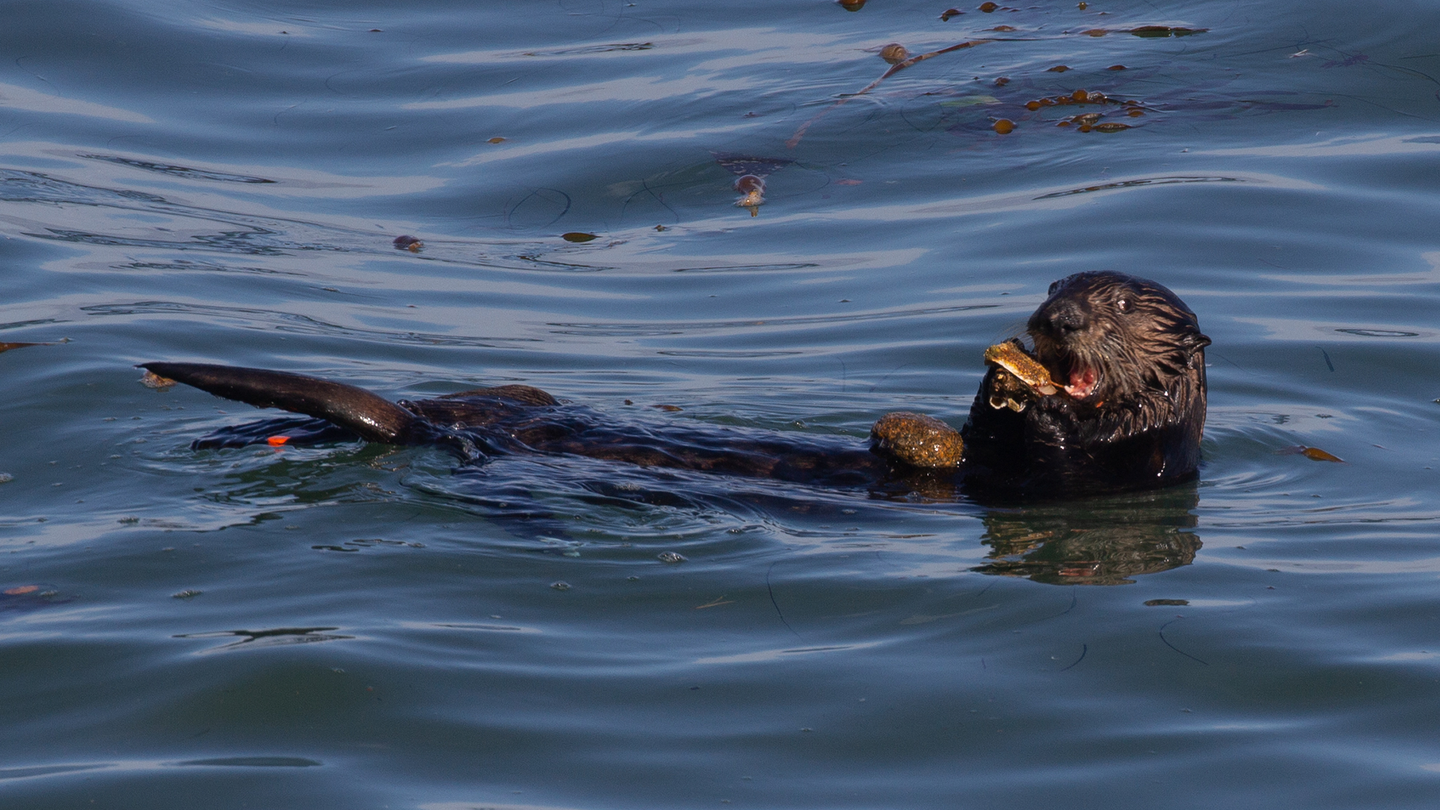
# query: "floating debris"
948, 13
752, 190
894, 53
670, 557
29, 597
409, 243
578, 236
1312, 453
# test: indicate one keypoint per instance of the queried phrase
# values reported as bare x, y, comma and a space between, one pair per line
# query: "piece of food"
1012, 357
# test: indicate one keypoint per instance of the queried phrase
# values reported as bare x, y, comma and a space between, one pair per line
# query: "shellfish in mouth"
1025, 377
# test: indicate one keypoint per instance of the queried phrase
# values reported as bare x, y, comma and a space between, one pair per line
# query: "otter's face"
1108, 336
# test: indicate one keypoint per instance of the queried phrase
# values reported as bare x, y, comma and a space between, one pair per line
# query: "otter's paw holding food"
918, 440
1009, 391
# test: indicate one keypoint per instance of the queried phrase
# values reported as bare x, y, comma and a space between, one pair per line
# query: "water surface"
352, 626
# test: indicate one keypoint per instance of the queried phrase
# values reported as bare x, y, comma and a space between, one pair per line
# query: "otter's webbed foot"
917, 440
283, 431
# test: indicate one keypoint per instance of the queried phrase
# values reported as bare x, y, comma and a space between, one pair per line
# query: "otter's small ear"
1194, 342
1054, 285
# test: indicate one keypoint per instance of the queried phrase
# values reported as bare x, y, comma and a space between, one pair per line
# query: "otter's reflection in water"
1097, 541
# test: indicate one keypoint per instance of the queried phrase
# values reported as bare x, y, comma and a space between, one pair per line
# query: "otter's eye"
1123, 304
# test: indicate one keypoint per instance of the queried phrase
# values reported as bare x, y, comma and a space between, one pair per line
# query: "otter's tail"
373, 418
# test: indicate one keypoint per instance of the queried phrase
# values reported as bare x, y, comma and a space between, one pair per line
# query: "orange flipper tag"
276, 441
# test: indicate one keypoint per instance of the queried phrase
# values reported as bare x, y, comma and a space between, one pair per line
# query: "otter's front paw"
918, 440
1056, 416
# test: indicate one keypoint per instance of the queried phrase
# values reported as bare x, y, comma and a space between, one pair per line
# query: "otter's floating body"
1113, 398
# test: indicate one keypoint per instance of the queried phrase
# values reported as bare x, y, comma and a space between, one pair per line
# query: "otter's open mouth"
1082, 382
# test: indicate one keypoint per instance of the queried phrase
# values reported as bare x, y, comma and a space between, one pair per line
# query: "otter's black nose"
1058, 318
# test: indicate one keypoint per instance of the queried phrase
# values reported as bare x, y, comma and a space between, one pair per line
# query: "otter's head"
1108, 336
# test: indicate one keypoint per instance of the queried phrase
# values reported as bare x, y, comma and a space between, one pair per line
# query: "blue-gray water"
350, 626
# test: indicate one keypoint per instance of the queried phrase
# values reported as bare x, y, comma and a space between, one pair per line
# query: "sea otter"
1125, 410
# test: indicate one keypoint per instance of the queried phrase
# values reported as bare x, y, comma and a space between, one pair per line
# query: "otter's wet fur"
1128, 351
1132, 359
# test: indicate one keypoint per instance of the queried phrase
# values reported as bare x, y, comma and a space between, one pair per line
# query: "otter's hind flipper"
373, 418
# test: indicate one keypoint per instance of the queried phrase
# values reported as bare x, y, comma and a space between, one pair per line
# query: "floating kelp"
1002, 121
1088, 121
1141, 181
1077, 97
1146, 31
579, 236
585, 50
1163, 31
895, 68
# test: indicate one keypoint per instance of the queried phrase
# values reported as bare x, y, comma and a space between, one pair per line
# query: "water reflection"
1100, 542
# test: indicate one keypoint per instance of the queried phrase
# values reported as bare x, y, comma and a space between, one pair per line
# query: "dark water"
350, 626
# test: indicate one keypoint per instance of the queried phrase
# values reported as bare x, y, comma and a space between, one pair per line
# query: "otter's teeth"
1082, 382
